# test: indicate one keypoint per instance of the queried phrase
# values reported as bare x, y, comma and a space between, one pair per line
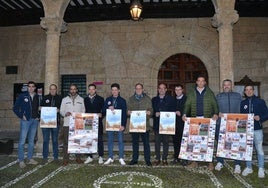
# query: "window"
80, 80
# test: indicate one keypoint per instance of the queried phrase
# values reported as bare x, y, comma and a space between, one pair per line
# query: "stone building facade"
128, 52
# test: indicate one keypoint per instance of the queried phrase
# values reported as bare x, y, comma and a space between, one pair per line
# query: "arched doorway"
182, 69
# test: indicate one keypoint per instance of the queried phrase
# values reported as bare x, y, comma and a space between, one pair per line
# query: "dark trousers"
100, 141
146, 146
177, 141
65, 144
158, 139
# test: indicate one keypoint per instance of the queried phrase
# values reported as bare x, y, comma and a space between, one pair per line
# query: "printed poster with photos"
198, 139
167, 123
113, 119
137, 122
236, 137
48, 117
83, 133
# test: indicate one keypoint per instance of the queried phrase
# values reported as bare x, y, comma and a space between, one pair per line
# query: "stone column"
54, 25
224, 18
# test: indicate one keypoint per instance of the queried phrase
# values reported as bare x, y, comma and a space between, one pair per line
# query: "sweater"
143, 104
73, 105
210, 106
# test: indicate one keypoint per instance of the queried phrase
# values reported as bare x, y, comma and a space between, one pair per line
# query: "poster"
167, 123
198, 139
113, 119
83, 133
137, 122
236, 137
48, 118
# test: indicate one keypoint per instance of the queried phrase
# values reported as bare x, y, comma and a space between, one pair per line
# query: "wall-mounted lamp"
135, 10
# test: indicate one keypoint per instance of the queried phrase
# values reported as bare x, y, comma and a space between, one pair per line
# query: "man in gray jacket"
228, 102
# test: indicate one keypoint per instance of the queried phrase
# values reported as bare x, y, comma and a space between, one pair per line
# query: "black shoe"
184, 162
133, 163
149, 164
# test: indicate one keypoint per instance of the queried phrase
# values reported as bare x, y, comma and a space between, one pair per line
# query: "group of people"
199, 102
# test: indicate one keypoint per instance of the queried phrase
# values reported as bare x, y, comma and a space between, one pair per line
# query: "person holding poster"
201, 103
70, 104
228, 102
180, 101
165, 103
51, 100
253, 104
116, 102
137, 102
26, 108
93, 104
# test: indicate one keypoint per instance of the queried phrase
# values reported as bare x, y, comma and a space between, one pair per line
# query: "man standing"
73, 103
116, 102
94, 104
180, 101
51, 100
165, 103
26, 108
201, 103
140, 101
228, 102
255, 105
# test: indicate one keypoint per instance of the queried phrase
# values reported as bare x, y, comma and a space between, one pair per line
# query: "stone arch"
210, 62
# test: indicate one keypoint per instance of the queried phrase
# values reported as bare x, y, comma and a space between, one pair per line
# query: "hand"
148, 113
178, 113
257, 118
220, 115
157, 114
184, 118
68, 114
122, 128
24, 118
129, 112
100, 115
111, 108
215, 117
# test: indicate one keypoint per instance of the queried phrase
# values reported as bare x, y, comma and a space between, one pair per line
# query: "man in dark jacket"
252, 104
180, 101
94, 104
26, 108
51, 100
165, 103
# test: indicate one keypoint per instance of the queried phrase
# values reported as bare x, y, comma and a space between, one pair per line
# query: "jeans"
258, 139
158, 138
27, 128
46, 136
146, 146
111, 143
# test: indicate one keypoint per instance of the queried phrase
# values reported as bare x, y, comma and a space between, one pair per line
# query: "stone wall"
128, 52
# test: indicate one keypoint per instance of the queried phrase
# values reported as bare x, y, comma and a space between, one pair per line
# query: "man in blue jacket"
26, 108
255, 105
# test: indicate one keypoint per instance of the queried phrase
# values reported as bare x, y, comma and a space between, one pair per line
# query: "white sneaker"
33, 162
219, 166
261, 173
109, 161
22, 164
89, 160
237, 169
122, 162
247, 171
100, 160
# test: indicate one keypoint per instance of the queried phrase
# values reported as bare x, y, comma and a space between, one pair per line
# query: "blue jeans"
46, 136
27, 128
258, 139
146, 146
111, 143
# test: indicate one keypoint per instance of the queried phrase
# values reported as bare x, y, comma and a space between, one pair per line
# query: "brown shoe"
210, 166
164, 162
193, 165
65, 162
79, 161
156, 162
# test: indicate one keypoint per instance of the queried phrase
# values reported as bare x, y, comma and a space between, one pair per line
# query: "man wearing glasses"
26, 108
